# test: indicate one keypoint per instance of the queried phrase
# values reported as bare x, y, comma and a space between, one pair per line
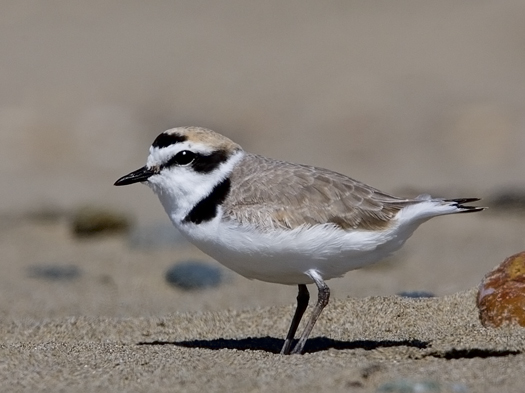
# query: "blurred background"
408, 96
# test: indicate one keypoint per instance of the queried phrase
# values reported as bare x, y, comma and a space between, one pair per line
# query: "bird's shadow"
274, 345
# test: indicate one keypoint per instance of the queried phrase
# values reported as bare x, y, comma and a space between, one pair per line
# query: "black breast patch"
206, 209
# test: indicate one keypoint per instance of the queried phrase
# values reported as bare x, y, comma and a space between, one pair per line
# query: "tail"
459, 204
426, 207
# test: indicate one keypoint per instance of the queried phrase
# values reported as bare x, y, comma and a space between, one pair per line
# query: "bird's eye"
184, 157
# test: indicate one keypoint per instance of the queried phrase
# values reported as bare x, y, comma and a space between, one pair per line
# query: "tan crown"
207, 137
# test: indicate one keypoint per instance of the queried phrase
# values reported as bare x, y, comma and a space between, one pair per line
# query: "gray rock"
416, 294
407, 386
191, 275
509, 200
92, 220
54, 272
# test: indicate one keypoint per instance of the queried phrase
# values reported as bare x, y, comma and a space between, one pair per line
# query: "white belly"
283, 256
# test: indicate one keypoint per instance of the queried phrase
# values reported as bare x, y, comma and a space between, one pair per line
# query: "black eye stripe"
202, 163
208, 163
165, 140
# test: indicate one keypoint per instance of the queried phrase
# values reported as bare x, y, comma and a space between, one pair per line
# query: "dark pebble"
511, 200
416, 294
92, 220
191, 275
406, 386
54, 272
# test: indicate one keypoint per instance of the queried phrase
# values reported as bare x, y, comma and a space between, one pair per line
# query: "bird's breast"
284, 255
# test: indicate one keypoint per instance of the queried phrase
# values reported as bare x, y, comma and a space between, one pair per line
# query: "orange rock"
501, 295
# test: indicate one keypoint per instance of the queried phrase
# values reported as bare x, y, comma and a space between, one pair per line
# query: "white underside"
284, 256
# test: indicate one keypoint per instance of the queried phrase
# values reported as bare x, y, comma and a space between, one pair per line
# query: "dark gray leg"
303, 297
322, 301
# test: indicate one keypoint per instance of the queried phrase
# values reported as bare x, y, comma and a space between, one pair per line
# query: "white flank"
284, 256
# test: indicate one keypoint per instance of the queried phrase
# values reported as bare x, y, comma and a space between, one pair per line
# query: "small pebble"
416, 294
459, 387
407, 386
54, 272
91, 220
501, 294
511, 200
191, 275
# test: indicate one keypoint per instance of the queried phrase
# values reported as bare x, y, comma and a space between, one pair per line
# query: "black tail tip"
460, 204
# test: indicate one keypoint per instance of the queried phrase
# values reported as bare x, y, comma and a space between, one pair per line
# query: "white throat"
179, 190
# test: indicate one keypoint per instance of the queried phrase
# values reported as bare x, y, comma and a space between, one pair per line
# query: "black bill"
137, 176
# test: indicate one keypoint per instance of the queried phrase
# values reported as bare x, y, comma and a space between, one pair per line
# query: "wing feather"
285, 195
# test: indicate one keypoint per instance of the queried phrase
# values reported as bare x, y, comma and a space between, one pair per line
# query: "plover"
276, 221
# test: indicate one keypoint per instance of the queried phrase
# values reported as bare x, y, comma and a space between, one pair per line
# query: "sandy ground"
119, 326
409, 96
358, 346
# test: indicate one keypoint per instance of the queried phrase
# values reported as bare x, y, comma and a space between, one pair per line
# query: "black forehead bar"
207, 163
165, 140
